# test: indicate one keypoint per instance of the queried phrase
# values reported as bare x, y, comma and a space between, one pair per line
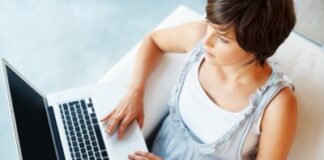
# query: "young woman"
229, 102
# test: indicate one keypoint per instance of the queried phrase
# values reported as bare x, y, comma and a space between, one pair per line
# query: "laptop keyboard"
82, 130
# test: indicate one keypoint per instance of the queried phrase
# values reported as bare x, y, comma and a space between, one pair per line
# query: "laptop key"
94, 121
91, 158
65, 107
76, 149
91, 133
84, 156
77, 155
104, 154
99, 137
93, 115
81, 145
73, 103
97, 154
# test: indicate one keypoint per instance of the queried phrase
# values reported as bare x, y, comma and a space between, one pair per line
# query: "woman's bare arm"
278, 127
179, 39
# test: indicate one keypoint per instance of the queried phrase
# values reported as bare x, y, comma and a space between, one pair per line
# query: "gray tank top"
175, 141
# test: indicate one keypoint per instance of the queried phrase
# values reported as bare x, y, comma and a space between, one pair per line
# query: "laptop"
64, 124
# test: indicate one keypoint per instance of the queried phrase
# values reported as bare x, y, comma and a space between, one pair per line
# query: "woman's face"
222, 48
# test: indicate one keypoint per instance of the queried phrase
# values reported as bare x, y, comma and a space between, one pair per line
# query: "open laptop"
64, 125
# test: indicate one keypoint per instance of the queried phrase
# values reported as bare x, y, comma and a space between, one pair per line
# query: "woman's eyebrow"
222, 33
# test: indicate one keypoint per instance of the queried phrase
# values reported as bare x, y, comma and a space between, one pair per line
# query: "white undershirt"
205, 119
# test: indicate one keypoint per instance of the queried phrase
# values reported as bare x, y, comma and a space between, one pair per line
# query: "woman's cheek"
226, 55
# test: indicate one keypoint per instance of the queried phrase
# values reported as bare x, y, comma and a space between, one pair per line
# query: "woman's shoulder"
285, 97
282, 108
284, 100
279, 123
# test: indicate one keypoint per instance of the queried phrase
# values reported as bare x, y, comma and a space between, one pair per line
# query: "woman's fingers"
137, 157
148, 155
107, 116
112, 123
124, 124
141, 121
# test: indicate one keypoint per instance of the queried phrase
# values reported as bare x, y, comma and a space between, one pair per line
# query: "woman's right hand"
129, 108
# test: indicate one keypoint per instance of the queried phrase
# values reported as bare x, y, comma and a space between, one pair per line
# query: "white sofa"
301, 60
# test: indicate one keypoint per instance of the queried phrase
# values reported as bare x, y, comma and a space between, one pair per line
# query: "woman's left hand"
142, 155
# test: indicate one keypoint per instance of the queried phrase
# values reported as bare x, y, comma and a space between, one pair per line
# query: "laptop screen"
31, 119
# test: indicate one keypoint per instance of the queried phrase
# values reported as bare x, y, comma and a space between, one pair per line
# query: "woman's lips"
209, 54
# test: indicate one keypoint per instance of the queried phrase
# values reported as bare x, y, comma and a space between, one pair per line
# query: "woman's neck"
242, 73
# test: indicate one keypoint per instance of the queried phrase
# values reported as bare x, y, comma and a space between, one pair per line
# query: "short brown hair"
260, 25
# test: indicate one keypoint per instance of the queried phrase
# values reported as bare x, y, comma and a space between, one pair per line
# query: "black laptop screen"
31, 119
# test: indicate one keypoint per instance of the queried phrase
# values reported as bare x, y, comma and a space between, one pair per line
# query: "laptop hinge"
55, 132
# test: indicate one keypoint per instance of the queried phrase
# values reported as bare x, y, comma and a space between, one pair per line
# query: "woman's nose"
209, 40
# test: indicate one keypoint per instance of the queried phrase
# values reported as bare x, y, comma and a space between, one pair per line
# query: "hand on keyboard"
129, 108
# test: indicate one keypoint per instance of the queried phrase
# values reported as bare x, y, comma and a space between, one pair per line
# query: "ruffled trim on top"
254, 101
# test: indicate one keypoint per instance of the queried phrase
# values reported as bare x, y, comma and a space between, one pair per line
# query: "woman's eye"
222, 40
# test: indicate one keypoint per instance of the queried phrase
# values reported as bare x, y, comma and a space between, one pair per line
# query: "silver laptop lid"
29, 117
